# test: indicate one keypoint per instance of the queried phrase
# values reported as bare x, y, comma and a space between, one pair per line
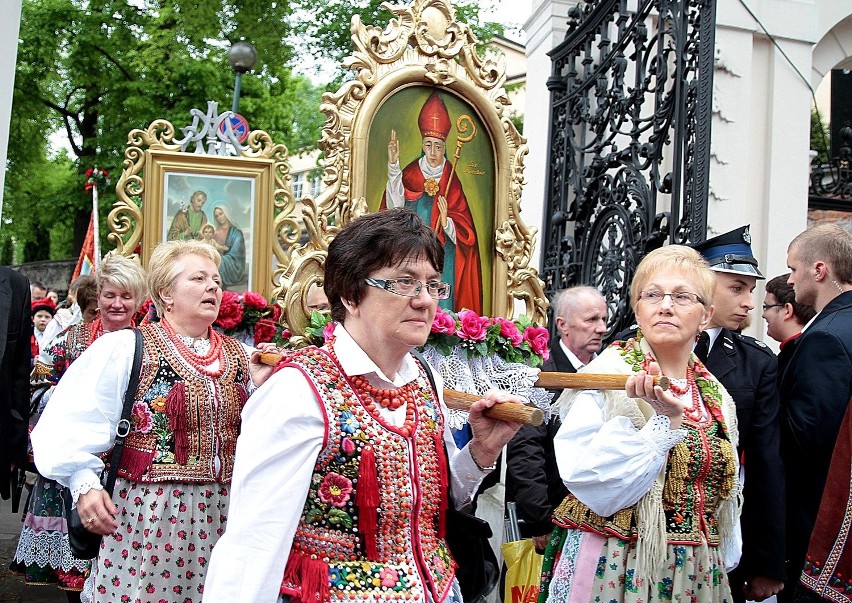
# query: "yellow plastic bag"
523, 571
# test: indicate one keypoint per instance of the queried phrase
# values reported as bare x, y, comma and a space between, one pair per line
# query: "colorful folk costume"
418, 187
355, 483
828, 565
667, 501
43, 554
172, 489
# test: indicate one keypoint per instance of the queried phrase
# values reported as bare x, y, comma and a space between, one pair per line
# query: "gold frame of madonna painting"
425, 125
241, 205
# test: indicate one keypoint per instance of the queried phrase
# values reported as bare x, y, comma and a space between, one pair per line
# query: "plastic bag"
523, 573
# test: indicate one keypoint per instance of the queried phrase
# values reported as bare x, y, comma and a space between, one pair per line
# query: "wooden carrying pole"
522, 413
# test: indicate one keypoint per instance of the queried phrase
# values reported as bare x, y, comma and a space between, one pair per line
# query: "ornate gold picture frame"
424, 49
241, 205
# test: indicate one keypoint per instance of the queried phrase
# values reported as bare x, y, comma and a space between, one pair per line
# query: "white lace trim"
47, 548
478, 375
197, 345
659, 434
82, 488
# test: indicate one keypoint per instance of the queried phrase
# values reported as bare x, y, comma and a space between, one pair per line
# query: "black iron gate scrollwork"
629, 143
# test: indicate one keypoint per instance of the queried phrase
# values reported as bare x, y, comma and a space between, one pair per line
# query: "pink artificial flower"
335, 489
539, 339
254, 300
141, 417
473, 326
509, 330
348, 446
328, 331
443, 323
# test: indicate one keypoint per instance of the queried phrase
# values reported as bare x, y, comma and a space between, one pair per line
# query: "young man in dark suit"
817, 383
16, 329
532, 477
748, 369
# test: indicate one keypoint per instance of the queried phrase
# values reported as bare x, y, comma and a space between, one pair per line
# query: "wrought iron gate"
629, 144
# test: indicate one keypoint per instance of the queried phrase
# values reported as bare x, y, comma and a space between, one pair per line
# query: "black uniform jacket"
749, 371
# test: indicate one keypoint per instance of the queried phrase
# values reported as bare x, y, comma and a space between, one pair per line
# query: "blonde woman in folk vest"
170, 501
345, 464
653, 507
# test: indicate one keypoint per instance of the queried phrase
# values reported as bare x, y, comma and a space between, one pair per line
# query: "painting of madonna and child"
411, 163
217, 210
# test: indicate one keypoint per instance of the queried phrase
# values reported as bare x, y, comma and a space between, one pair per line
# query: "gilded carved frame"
424, 45
152, 154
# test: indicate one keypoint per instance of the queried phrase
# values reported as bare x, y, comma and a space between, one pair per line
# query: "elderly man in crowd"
532, 477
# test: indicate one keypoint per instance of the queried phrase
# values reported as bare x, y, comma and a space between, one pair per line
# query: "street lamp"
242, 56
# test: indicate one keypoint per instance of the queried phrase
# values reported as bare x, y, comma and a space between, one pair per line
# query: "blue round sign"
239, 125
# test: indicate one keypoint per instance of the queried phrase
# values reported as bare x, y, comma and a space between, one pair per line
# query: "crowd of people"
331, 476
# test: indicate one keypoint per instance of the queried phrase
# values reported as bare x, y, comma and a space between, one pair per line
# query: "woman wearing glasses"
345, 465
653, 505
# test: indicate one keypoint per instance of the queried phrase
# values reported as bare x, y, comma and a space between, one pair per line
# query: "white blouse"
610, 465
282, 434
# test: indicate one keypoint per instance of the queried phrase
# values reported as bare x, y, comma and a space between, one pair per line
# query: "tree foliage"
95, 69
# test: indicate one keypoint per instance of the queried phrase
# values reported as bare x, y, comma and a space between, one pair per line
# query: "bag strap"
427, 368
123, 427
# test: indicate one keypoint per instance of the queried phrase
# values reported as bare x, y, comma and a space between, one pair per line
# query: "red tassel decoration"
305, 579
176, 410
134, 463
315, 587
367, 499
443, 473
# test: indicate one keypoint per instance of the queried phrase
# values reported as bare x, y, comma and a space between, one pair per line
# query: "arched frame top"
424, 46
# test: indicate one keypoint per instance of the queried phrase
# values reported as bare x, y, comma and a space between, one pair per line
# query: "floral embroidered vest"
182, 420
372, 524
64, 350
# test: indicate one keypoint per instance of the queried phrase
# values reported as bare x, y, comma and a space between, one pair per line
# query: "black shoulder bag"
86, 544
467, 536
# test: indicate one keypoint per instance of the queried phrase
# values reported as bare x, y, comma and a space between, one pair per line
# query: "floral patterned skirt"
160, 551
584, 566
43, 555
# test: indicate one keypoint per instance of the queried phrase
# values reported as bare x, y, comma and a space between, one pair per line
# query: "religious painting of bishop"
451, 161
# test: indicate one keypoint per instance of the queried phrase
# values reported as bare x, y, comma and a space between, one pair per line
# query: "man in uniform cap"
748, 369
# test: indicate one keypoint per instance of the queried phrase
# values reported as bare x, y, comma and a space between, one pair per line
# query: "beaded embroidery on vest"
328, 541
177, 428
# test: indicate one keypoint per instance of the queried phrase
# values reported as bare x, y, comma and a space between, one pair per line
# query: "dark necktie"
702, 348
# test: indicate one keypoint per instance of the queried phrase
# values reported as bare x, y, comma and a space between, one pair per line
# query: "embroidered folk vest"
182, 420
372, 525
701, 470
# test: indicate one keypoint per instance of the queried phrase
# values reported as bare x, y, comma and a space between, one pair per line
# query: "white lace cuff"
83, 481
659, 434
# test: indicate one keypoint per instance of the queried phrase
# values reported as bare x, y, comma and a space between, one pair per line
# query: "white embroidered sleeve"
659, 435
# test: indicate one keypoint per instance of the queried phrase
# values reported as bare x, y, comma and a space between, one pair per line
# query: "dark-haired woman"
340, 493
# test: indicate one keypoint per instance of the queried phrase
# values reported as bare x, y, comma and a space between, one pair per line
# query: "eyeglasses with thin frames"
411, 287
679, 298
767, 306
